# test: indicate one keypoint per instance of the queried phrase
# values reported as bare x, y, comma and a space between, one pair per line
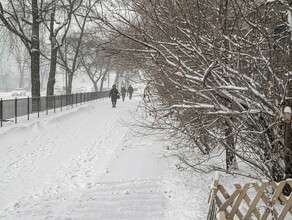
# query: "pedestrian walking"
114, 95
130, 91
123, 92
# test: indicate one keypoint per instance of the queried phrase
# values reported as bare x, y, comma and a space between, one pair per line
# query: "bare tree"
60, 15
21, 57
95, 63
216, 81
22, 18
70, 55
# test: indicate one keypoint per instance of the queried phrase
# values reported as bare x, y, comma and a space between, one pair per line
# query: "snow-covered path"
81, 164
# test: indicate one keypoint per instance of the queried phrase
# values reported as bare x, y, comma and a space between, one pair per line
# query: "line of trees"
56, 35
218, 76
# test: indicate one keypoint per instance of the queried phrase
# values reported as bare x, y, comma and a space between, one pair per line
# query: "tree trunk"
21, 61
230, 157
35, 56
42, 78
117, 80
29, 85
21, 80
95, 86
127, 81
102, 79
70, 82
101, 83
54, 52
52, 73
35, 52
231, 163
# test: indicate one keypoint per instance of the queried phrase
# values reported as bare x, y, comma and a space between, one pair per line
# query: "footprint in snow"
106, 170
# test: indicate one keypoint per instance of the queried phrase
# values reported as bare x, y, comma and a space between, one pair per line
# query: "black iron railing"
18, 107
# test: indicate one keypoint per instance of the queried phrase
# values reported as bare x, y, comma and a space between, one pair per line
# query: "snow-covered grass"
86, 163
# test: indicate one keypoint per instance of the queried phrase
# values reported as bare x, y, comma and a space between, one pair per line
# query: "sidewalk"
84, 164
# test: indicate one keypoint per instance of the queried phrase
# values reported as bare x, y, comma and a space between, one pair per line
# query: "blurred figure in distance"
130, 91
123, 92
114, 94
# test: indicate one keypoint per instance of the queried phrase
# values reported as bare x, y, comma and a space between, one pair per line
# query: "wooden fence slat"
210, 208
248, 201
264, 197
223, 191
238, 213
266, 214
229, 200
212, 194
240, 195
255, 201
209, 211
277, 192
218, 201
222, 215
286, 209
281, 196
275, 197
266, 201
238, 201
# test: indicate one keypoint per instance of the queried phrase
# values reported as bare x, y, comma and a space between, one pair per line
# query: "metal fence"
14, 108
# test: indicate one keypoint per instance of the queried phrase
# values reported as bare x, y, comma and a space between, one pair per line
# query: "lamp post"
287, 114
287, 140
288, 148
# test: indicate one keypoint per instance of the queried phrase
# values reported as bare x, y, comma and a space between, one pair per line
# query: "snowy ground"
7, 95
85, 163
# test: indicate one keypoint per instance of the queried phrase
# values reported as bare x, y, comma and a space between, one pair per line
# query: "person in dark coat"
123, 92
130, 91
113, 95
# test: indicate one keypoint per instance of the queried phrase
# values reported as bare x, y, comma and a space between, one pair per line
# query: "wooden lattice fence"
251, 201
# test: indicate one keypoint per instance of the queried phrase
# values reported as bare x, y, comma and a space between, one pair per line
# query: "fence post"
15, 105
76, 99
72, 100
1, 113
211, 200
47, 105
28, 108
39, 100
54, 104
61, 102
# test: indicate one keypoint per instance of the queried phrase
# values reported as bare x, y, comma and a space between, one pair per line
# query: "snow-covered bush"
218, 75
